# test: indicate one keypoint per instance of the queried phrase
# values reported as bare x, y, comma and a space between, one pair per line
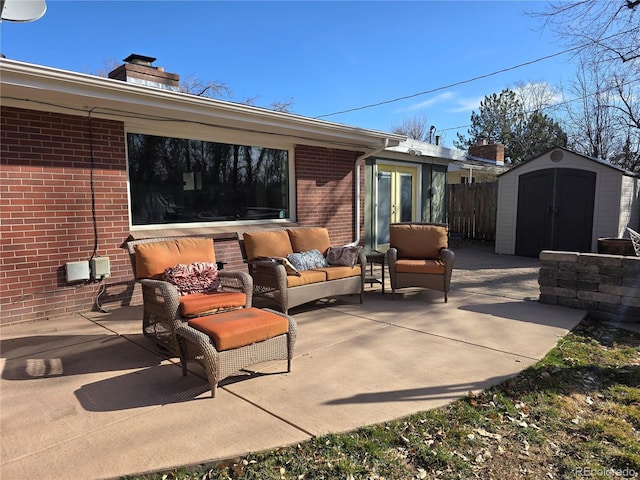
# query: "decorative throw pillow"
347, 256
307, 260
289, 268
199, 277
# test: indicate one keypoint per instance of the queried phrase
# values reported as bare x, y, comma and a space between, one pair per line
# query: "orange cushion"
152, 259
418, 241
237, 328
198, 303
420, 266
333, 273
270, 243
306, 277
305, 239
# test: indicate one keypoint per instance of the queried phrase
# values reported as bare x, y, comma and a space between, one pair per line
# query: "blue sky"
324, 56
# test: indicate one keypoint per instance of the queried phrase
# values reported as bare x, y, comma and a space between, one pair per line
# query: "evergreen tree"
502, 118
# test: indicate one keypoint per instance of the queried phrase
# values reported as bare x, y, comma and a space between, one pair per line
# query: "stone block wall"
607, 286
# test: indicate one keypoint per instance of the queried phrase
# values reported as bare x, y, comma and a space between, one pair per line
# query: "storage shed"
562, 200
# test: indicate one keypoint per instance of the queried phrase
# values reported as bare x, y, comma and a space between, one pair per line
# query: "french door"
396, 198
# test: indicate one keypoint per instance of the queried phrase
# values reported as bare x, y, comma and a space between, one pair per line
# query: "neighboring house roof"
37, 87
425, 151
455, 159
586, 157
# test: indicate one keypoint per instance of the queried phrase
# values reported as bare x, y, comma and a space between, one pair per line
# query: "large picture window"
177, 180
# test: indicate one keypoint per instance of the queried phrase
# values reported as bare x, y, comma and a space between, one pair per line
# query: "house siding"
506, 215
629, 205
607, 204
47, 218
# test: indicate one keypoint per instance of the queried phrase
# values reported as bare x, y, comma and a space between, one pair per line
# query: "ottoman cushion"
238, 328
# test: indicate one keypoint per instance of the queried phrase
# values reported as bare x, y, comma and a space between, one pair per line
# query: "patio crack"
464, 342
268, 412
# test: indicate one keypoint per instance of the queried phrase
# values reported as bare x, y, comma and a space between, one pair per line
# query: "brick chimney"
488, 150
139, 69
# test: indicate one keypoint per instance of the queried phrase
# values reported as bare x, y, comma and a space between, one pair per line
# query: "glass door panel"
384, 207
406, 197
396, 199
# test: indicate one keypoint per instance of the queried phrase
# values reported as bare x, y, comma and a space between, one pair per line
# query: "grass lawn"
575, 414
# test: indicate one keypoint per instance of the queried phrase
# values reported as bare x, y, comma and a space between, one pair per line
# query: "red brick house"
89, 162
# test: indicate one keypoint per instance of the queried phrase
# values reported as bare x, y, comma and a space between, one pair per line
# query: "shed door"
555, 211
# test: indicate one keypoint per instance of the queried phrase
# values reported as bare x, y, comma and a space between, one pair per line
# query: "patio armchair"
419, 256
166, 305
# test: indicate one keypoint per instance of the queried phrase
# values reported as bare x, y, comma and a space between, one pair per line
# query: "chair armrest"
447, 256
362, 262
166, 289
237, 281
161, 299
266, 273
392, 258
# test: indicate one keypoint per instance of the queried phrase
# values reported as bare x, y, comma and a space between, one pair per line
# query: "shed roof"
586, 157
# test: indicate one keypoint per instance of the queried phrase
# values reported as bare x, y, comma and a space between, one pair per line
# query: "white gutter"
358, 165
38, 87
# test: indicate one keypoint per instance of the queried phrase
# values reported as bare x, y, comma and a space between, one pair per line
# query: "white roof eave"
44, 88
422, 151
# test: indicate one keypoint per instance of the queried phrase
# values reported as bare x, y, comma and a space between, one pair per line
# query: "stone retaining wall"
608, 286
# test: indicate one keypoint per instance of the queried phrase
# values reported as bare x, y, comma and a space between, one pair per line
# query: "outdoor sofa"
295, 266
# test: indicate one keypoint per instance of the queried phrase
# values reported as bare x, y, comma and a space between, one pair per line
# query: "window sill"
223, 232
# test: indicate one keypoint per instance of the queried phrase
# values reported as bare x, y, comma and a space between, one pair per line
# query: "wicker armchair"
635, 240
418, 256
165, 311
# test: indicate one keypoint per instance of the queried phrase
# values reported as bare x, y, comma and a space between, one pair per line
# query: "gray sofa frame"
270, 282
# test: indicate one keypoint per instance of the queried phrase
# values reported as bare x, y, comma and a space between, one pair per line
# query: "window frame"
205, 134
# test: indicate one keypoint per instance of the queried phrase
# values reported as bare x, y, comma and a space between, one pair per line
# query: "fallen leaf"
483, 433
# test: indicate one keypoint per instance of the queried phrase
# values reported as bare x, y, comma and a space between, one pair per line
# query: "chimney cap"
137, 59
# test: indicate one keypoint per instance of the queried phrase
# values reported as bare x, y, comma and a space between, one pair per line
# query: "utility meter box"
100, 268
77, 271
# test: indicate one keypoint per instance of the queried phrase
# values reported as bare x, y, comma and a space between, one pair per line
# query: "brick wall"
46, 211
325, 186
608, 286
46, 216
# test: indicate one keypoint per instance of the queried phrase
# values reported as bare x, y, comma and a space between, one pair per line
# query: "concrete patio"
88, 397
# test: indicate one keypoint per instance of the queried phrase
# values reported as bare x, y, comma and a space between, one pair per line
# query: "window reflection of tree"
220, 181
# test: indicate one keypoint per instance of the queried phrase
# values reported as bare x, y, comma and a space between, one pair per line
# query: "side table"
375, 257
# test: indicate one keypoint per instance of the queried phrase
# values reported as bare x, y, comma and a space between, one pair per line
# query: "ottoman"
230, 341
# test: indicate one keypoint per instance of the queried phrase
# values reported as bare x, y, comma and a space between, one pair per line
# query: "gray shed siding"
629, 205
613, 209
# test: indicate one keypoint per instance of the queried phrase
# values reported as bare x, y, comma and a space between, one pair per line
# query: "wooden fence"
472, 209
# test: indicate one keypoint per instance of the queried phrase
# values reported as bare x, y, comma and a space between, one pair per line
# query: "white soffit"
48, 89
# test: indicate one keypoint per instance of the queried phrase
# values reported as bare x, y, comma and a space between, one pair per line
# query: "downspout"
358, 166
